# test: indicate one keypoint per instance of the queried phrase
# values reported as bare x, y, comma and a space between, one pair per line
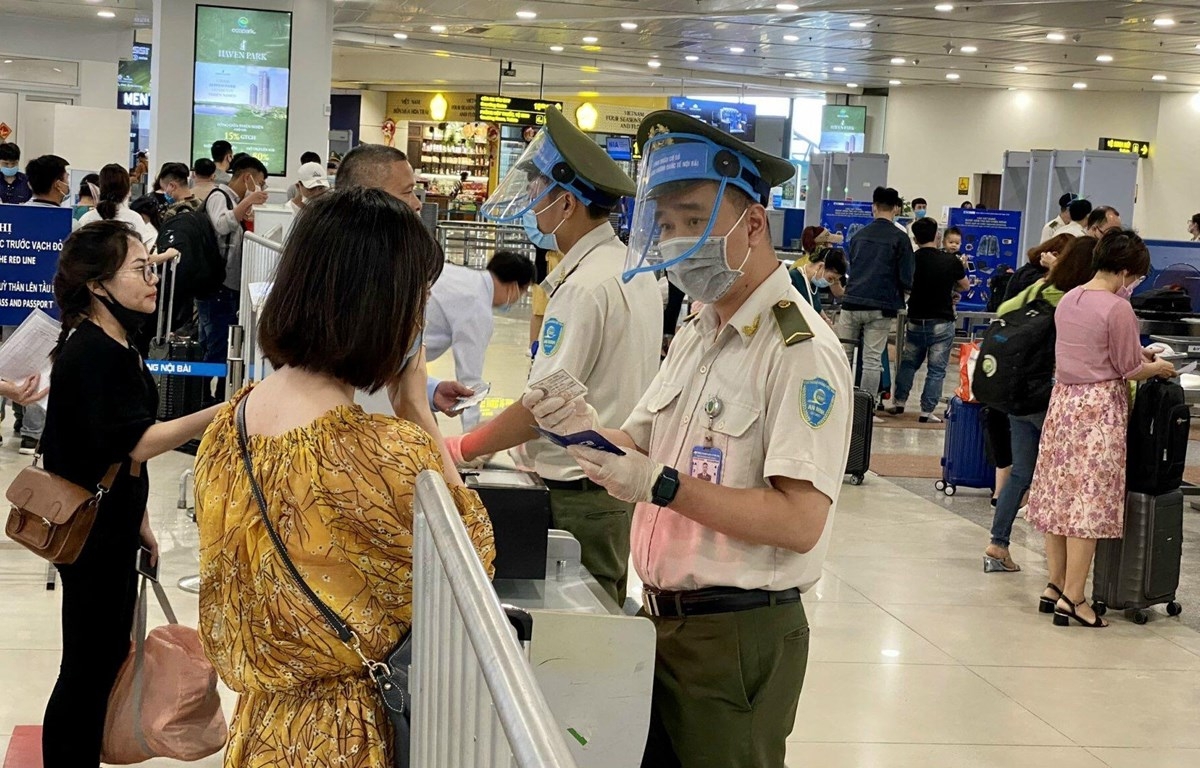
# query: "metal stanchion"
187, 583
235, 373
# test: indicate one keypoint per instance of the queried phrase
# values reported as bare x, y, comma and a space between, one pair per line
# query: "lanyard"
578, 264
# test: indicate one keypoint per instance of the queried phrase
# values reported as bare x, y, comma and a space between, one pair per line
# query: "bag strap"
139, 655
106, 482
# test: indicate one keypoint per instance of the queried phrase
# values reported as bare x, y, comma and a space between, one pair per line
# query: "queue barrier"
475, 699
472, 243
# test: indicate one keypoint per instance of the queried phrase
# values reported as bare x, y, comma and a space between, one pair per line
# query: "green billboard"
240, 92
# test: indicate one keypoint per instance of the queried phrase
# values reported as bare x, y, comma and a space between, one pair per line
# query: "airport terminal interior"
985, 116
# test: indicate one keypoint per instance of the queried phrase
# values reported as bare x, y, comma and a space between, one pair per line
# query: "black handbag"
390, 676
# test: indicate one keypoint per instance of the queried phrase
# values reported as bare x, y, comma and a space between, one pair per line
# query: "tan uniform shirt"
605, 332
785, 412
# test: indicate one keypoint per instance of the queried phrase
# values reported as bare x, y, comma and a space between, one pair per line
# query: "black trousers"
99, 592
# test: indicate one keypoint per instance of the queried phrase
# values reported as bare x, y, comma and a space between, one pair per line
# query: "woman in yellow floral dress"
346, 305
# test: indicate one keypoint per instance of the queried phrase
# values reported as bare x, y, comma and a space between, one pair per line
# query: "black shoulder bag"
390, 678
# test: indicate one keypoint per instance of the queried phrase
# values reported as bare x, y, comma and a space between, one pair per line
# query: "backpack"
1158, 438
201, 268
997, 287
1015, 370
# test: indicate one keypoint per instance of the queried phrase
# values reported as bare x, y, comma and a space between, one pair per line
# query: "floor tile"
28, 678
929, 581
831, 589
937, 756
862, 632
1148, 758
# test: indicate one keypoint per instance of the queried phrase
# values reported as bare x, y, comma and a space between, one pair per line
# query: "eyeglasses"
147, 270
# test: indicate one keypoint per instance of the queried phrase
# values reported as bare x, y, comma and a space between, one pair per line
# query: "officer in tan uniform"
735, 455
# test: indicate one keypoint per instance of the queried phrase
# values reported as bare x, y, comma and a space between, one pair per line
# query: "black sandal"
1063, 618
1047, 605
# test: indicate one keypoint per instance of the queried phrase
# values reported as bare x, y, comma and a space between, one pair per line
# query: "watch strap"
666, 487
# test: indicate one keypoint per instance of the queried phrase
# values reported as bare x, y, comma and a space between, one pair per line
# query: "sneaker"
929, 418
895, 410
28, 446
876, 420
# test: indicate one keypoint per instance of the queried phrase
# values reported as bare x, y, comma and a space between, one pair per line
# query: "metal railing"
472, 243
260, 260
475, 699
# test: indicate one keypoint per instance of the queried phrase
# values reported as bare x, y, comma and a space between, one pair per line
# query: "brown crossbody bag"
51, 516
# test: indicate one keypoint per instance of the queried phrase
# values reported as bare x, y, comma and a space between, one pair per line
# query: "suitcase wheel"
1140, 617
1174, 608
858, 480
1100, 608
940, 485
948, 489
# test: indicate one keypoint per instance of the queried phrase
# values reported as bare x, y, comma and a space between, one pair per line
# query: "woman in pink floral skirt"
1078, 492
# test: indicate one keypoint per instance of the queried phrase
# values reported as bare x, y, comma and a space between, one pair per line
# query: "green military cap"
758, 171
592, 174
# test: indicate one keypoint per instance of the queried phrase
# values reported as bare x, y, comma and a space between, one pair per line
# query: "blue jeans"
930, 342
1026, 434
216, 314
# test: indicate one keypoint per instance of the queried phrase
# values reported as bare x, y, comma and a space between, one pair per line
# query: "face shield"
683, 181
528, 182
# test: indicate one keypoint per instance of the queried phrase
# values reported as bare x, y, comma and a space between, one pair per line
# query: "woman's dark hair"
148, 206
114, 188
1122, 250
835, 260
1196, 219
1073, 267
93, 253
85, 186
362, 243
966, 205
808, 238
1057, 244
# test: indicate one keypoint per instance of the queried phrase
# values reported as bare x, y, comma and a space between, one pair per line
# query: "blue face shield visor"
533, 177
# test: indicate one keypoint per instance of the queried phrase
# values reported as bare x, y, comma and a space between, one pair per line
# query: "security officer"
601, 329
755, 395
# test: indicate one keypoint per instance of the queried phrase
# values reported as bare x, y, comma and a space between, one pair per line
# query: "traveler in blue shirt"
14, 185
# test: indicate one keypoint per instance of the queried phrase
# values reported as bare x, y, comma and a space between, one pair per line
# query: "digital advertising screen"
243, 61
735, 119
843, 129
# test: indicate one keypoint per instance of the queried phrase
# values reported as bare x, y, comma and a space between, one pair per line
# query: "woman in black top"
102, 411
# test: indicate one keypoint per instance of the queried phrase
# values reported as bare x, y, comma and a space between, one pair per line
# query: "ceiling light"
789, 74
1079, 86
786, 7
58, 69
791, 38
952, 75
8, 61
1020, 68
556, 48
111, 15
527, 15
895, 82
1056, 37
1104, 58
899, 60
591, 39
943, 7
629, 25
969, 49
851, 85
654, 63
1164, 22
438, 29
858, 25
736, 49
1159, 78
691, 57
399, 35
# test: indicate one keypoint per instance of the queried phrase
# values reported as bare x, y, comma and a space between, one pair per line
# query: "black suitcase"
860, 437
1141, 570
178, 395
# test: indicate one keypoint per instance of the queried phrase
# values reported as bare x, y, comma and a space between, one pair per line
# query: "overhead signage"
620, 147
1126, 146
509, 110
243, 68
732, 118
412, 106
31, 238
843, 128
141, 51
133, 84
990, 239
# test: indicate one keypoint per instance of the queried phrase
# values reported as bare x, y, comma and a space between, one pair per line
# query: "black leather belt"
701, 602
582, 484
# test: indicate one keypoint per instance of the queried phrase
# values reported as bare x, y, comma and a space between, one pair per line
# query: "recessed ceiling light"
654, 63
629, 25
1020, 68
851, 85
556, 48
969, 49
786, 7
899, 60
691, 57
839, 69
106, 14
1164, 22
952, 75
1104, 58
57, 69
1159, 78
8, 61
789, 74
438, 29
895, 82
527, 15
591, 39
1079, 86
791, 38
1057, 37
858, 25
399, 35
736, 49
943, 7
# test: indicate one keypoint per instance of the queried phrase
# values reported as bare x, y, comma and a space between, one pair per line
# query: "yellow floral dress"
340, 493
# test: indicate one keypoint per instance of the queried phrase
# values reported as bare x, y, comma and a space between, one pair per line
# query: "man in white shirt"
459, 315
1055, 225
311, 183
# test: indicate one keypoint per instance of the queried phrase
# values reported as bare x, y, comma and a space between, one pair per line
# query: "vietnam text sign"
31, 238
1126, 146
508, 110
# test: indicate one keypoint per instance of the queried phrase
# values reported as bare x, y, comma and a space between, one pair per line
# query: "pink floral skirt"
1079, 484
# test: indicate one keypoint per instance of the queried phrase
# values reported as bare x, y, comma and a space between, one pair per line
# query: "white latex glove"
562, 417
629, 478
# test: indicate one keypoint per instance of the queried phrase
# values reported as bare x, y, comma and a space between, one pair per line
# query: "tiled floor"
918, 659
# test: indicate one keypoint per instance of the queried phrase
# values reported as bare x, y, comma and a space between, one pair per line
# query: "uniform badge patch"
552, 331
816, 402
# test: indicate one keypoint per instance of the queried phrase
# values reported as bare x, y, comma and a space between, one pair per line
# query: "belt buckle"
650, 601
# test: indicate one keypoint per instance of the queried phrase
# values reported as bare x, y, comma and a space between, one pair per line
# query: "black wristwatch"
665, 487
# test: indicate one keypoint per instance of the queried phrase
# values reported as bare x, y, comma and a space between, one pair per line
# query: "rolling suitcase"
964, 456
1141, 570
860, 437
178, 395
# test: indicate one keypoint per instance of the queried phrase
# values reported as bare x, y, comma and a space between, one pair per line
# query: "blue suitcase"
964, 457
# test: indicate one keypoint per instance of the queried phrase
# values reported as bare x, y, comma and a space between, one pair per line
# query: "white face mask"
705, 275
